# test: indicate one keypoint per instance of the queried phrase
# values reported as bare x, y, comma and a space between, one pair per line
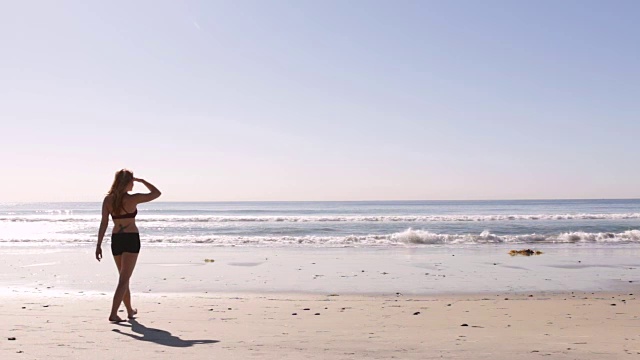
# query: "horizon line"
335, 201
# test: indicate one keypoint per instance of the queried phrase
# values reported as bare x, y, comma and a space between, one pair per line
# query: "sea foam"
346, 218
409, 237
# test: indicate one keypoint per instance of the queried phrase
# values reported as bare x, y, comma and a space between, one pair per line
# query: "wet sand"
374, 271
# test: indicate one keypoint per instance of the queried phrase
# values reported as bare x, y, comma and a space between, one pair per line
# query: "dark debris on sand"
525, 252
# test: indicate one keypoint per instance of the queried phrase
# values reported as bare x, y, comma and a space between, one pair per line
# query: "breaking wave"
409, 237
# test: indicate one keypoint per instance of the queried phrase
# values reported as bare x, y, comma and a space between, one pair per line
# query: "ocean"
336, 224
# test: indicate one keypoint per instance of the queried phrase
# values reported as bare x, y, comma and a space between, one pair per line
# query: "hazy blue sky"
321, 100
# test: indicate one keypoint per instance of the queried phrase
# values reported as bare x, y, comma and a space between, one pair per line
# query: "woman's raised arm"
152, 195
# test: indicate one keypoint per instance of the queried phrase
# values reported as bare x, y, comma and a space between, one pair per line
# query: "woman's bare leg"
127, 295
127, 264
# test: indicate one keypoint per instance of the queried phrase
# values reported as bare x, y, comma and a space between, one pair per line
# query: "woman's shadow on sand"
161, 337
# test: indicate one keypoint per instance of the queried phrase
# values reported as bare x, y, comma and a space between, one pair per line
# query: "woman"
125, 239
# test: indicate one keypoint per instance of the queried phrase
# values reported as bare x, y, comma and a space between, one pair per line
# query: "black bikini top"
126, 215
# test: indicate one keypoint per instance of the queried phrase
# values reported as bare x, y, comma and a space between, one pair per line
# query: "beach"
328, 280
288, 303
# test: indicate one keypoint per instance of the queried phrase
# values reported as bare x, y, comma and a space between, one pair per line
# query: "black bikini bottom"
125, 242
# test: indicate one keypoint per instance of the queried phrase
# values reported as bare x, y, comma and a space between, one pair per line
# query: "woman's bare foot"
115, 318
131, 314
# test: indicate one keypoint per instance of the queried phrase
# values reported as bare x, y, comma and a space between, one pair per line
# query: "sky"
321, 100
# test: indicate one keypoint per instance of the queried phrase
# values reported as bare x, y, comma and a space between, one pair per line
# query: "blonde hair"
119, 188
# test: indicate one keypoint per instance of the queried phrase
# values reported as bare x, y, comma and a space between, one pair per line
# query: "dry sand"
331, 326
